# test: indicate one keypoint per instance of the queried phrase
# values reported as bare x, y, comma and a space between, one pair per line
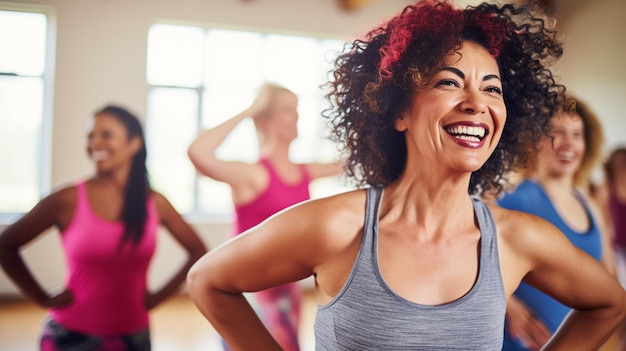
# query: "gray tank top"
368, 315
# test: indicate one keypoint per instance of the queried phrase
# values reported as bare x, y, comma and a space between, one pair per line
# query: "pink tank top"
618, 216
276, 197
108, 283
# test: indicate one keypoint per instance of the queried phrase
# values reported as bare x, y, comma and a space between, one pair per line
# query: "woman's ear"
400, 123
135, 144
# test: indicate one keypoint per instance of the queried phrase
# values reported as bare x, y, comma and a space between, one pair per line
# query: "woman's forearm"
17, 270
209, 140
586, 330
233, 318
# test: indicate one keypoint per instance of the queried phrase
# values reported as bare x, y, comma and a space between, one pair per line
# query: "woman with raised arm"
263, 188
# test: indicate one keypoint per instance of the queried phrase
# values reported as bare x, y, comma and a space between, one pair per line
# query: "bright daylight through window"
24, 177
200, 78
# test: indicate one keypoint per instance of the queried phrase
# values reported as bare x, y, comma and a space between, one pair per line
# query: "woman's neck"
117, 180
557, 188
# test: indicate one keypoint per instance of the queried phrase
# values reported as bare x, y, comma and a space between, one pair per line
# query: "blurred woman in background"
108, 225
553, 189
263, 188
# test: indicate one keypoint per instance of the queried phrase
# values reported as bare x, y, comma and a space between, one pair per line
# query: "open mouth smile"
99, 156
473, 133
468, 134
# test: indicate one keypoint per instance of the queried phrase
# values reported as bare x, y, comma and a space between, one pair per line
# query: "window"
199, 78
23, 122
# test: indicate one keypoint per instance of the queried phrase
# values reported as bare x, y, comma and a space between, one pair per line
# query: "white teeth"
566, 155
472, 132
99, 155
467, 137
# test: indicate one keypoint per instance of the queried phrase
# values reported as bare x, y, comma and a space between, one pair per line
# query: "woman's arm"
608, 256
571, 276
287, 247
320, 170
52, 210
202, 151
185, 235
522, 324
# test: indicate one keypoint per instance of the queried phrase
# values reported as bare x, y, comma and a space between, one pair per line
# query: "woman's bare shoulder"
63, 195
340, 209
329, 221
520, 229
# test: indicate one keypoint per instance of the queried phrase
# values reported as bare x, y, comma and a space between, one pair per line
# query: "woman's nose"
473, 102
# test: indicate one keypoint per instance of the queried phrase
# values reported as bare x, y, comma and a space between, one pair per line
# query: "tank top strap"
485, 220
372, 203
82, 199
489, 257
306, 177
367, 256
268, 165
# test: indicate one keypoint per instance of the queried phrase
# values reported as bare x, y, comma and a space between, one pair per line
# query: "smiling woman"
552, 190
108, 225
412, 261
464, 96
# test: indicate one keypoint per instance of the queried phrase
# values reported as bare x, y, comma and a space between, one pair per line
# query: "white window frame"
45, 132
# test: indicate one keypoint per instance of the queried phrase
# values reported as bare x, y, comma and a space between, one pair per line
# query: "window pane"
175, 55
330, 49
170, 128
20, 127
221, 105
214, 197
233, 59
23, 43
292, 62
302, 65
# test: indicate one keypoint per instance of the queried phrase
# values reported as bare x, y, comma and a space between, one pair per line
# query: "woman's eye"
447, 82
495, 90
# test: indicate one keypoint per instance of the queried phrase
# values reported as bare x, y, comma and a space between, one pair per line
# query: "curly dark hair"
376, 77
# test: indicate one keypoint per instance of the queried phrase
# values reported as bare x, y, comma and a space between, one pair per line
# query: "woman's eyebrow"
462, 75
455, 71
491, 76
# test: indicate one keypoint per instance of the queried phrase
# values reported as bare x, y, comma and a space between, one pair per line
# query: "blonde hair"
274, 90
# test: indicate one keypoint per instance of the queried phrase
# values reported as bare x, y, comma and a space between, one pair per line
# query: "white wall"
593, 66
101, 57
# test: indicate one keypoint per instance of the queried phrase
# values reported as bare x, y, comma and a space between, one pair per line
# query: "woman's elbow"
621, 304
194, 154
198, 251
196, 281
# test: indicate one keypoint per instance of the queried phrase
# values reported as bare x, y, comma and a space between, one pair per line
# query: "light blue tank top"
368, 315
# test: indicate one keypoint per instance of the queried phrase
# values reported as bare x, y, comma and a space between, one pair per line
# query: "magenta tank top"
618, 216
108, 283
276, 197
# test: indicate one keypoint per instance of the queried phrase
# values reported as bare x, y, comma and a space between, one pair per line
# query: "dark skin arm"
184, 235
54, 210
